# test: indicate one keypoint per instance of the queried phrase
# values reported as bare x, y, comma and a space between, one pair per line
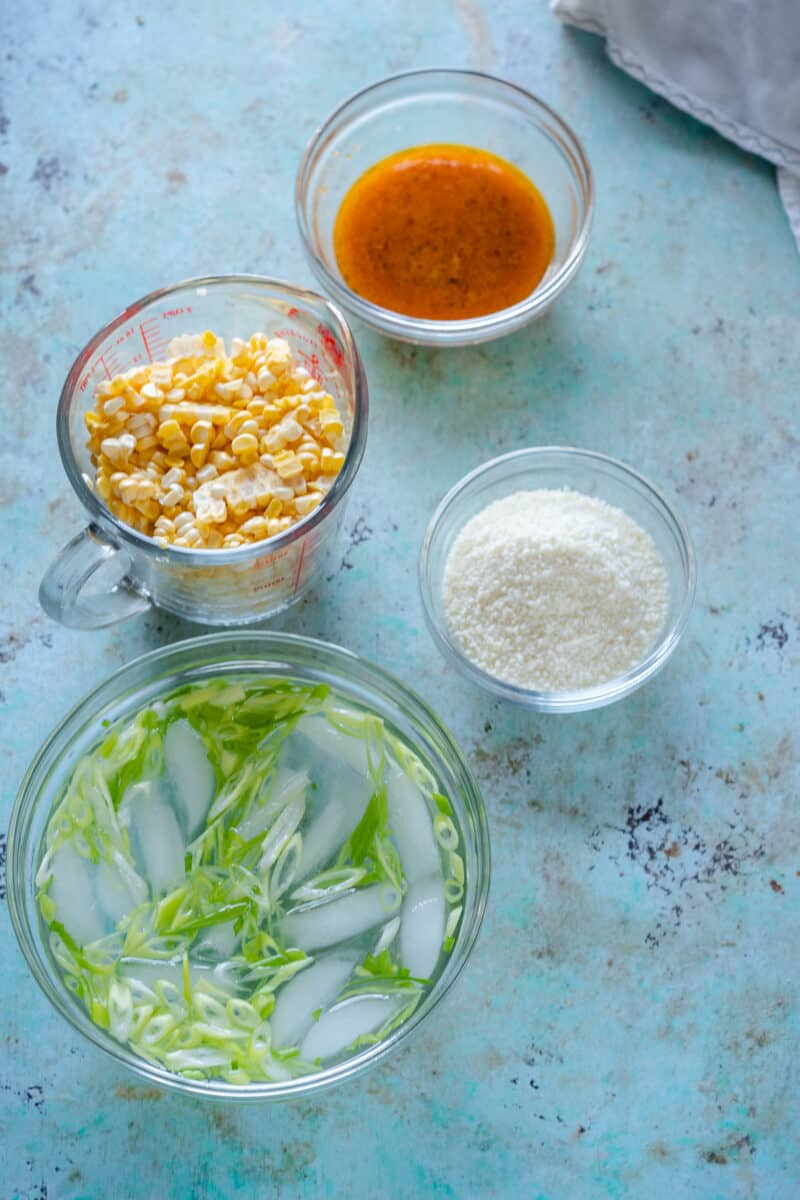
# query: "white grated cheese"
554, 590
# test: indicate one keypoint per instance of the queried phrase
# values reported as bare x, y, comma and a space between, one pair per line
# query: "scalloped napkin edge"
593, 17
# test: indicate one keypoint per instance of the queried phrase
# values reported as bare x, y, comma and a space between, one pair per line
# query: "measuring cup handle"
60, 590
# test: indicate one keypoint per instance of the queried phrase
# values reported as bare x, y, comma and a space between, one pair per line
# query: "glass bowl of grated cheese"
557, 578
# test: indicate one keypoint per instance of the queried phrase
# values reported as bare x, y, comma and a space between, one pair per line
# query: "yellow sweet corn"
210, 450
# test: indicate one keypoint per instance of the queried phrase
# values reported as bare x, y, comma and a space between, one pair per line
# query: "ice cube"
190, 773
315, 987
337, 819
322, 925
352, 751
156, 839
412, 826
422, 926
281, 788
341, 1025
73, 895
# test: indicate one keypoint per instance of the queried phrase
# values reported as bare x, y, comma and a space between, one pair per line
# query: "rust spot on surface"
176, 178
776, 887
11, 646
512, 759
224, 1124
127, 1091
673, 851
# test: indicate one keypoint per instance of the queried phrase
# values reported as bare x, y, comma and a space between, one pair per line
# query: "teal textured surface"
628, 1024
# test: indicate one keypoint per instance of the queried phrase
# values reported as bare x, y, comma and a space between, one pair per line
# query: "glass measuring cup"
213, 587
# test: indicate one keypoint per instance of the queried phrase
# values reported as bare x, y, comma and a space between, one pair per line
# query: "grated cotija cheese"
554, 590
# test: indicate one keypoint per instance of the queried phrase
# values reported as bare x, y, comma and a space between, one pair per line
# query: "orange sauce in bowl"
443, 232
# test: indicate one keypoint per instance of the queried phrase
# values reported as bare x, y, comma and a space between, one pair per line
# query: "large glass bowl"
583, 471
463, 107
141, 682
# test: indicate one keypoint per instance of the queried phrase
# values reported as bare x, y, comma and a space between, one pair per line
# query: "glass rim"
574, 699
103, 518
476, 328
376, 678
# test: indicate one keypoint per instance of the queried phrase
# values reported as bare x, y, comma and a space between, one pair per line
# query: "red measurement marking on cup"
146, 343
308, 357
297, 573
100, 361
151, 337
269, 562
332, 348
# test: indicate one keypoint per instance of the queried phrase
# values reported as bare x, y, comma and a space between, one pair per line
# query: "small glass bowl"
594, 475
461, 107
140, 683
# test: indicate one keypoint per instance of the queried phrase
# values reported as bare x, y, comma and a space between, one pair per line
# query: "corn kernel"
331, 461
201, 432
173, 496
222, 461
140, 424
245, 445
288, 468
331, 424
169, 431
256, 527
306, 504
227, 391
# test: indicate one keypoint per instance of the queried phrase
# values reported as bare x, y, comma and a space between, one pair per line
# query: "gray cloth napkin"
733, 64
